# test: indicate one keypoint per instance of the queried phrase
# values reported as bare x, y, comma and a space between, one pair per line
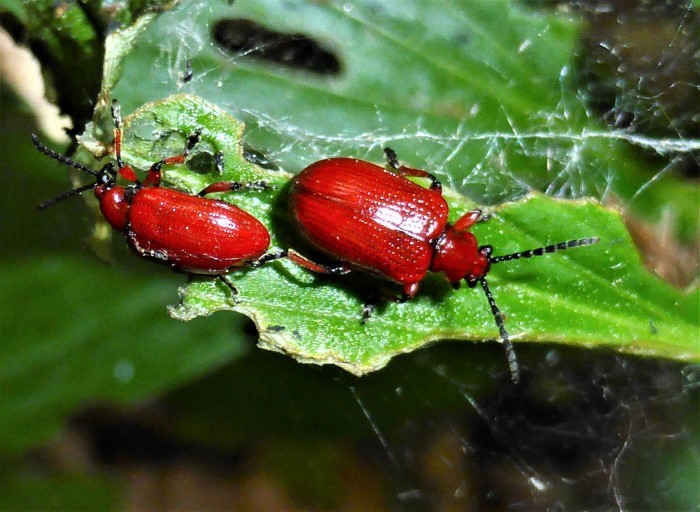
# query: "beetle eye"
106, 175
486, 250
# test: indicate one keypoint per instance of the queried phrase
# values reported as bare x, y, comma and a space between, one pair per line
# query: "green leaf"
594, 296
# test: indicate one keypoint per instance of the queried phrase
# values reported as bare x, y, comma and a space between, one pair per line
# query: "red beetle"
374, 219
191, 233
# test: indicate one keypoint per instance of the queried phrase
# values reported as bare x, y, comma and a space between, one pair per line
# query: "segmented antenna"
61, 158
545, 250
66, 195
510, 352
100, 175
507, 344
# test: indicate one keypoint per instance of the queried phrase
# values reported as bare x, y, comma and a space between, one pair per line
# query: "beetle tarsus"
391, 158
405, 297
485, 216
367, 310
318, 268
219, 162
116, 115
234, 186
402, 170
192, 141
231, 287
267, 257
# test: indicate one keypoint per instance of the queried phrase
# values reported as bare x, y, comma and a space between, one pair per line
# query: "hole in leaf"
202, 163
247, 38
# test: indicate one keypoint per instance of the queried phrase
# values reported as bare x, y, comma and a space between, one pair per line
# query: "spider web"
585, 430
641, 108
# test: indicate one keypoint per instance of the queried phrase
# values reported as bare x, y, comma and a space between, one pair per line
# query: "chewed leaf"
597, 296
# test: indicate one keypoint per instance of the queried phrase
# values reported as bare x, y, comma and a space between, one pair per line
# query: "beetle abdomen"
193, 233
372, 218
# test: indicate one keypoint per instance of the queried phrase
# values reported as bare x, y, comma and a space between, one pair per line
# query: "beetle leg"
154, 173
220, 277
126, 171
234, 186
229, 284
188, 74
268, 256
303, 261
391, 159
117, 119
367, 310
402, 170
409, 291
231, 186
219, 162
192, 141
467, 220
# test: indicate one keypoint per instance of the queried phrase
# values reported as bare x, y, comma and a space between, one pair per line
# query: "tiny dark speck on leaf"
187, 75
276, 328
461, 39
652, 329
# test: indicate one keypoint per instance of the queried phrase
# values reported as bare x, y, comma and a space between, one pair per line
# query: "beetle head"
105, 180
458, 256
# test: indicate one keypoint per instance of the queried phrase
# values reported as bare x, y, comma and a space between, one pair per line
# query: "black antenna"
61, 158
507, 344
545, 250
101, 176
510, 352
66, 195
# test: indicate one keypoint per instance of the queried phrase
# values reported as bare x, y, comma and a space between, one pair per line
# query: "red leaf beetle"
191, 233
374, 219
